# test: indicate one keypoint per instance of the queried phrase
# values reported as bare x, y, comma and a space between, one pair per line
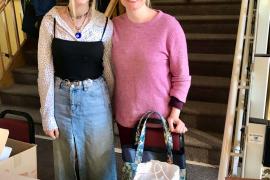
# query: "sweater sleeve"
107, 63
46, 74
178, 62
174, 102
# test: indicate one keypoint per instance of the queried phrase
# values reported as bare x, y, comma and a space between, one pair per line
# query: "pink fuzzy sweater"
150, 64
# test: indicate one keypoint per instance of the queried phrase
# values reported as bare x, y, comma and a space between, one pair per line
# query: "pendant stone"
78, 35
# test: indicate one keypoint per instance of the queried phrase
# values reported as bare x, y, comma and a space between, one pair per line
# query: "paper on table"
6, 153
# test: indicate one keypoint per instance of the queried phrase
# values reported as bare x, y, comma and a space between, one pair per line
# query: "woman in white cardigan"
74, 53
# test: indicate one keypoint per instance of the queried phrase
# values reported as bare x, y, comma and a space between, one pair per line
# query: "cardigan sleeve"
46, 74
107, 63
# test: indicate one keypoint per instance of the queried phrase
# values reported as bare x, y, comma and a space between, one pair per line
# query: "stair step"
30, 57
205, 108
208, 18
204, 116
30, 44
29, 51
212, 139
209, 89
202, 139
210, 64
206, 123
20, 95
198, 8
210, 69
27, 70
33, 112
211, 43
19, 89
211, 58
202, 147
210, 82
201, 36
219, 24
26, 75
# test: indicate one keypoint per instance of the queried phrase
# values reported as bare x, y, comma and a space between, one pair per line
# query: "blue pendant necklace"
78, 34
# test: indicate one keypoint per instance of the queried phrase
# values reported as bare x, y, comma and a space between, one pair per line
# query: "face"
80, 2
132, 5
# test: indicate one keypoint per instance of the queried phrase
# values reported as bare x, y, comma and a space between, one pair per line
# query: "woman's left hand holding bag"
175, 123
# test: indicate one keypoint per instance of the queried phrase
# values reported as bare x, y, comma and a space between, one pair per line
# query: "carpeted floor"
45, 165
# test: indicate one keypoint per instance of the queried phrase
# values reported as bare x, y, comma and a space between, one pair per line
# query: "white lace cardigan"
91, 32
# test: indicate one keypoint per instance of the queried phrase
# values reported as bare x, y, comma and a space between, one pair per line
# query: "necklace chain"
77, 17
78, 28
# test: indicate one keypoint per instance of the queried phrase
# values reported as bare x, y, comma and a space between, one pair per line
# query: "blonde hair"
148, 3
92, 4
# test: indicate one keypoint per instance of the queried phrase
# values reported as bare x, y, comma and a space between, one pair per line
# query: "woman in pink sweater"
150, 63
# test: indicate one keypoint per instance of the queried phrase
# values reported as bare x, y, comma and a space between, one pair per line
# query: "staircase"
23, 94
210, 27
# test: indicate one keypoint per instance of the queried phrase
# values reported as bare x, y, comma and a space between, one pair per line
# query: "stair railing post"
244, 82
15, 24
228, 130
7, 32
2, 63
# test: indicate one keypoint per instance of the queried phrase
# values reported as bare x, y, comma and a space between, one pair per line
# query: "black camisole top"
78, 61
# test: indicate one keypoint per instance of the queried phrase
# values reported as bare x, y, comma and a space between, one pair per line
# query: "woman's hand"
54, 134
175, 123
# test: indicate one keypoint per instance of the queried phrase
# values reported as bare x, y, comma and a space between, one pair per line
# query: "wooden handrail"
10, 16
110, 8
6, 28
3, 4
233, 95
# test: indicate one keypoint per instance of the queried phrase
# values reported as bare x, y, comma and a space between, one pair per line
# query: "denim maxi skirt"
83, 115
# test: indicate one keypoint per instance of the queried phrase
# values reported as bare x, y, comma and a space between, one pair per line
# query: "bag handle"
139, 128
138, 131
140, 137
